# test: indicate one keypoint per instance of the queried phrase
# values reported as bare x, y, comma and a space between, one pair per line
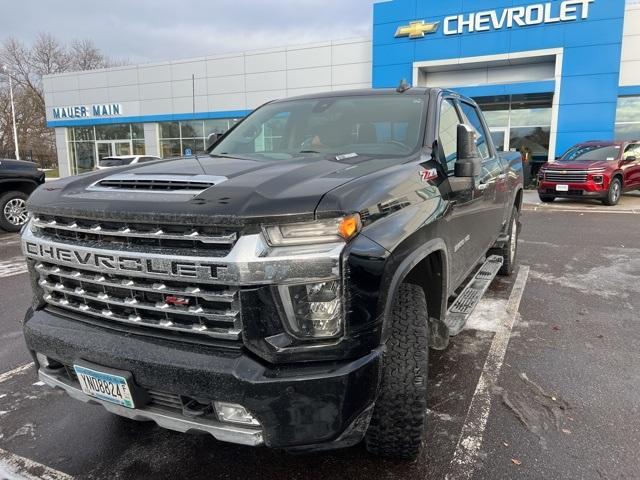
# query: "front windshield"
592, 152
389, 125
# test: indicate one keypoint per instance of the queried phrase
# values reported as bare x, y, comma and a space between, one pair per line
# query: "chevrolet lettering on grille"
129, 263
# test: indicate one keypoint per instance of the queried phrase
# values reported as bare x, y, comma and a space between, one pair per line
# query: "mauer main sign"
535, 14
88, 111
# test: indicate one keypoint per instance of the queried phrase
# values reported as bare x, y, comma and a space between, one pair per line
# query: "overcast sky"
152, 30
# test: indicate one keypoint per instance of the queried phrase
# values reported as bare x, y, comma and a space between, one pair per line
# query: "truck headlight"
313, 310
309, 233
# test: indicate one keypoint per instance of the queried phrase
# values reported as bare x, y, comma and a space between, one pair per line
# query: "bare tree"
27, 64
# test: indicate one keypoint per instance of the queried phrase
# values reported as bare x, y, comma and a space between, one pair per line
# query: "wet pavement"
564, 403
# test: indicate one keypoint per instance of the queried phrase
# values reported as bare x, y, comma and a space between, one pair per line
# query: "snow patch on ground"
487, 315
7, 474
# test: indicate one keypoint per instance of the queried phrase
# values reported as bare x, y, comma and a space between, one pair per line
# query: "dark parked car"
600, 170
18, 179
285, 289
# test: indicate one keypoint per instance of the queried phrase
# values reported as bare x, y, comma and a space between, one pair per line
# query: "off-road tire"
397, 426
509, 251
16, 196
613, 195
546, 198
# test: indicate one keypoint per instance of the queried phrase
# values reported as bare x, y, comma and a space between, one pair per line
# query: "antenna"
193, 98
403, 87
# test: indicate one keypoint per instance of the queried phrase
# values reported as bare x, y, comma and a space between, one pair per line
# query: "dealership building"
547, 75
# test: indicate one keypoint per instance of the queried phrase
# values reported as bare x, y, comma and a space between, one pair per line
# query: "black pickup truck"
17, 180
285, 289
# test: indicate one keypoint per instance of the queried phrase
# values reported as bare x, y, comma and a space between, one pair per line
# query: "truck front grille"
566, 176
210, 241
206, 310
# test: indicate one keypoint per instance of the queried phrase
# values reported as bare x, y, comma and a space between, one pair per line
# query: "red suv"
602, 170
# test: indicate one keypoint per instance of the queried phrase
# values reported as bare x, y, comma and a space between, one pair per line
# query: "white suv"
122, 160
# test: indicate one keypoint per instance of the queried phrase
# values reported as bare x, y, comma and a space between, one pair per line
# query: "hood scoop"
132, 182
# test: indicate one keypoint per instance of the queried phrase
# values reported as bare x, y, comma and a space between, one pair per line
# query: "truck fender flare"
434, 245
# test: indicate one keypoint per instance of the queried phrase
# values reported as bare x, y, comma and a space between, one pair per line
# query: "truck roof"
365, 92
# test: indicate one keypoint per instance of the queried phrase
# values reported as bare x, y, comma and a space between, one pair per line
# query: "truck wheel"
546, 198
614, 193
13, 211
397, 425
509, 251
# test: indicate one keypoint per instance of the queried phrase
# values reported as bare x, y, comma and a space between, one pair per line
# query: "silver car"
122, 160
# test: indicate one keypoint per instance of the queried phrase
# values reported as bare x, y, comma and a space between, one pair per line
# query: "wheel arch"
25, 186
427, 262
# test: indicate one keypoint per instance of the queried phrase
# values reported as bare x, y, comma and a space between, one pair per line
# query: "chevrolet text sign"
536, 14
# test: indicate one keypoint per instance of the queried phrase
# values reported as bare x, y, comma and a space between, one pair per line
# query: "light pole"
13, 112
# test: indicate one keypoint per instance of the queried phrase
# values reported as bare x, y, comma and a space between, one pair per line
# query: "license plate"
562, 188
104, 386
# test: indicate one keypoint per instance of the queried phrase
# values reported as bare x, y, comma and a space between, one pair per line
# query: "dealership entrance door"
112, 148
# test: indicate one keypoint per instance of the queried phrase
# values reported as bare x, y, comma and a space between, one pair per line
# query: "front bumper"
300, 406
576, 190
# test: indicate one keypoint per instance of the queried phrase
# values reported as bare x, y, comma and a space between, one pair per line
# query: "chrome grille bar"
568, 176
82, 308
131, 302
127, 232
226, 296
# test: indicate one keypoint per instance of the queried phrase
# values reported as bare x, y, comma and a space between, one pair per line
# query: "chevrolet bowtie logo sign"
417, 29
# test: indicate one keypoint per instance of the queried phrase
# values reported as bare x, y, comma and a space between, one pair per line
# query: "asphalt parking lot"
544, 382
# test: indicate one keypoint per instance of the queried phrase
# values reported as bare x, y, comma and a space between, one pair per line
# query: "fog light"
234, 413
598, 179
313, 310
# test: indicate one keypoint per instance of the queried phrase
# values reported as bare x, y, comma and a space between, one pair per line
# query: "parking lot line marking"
470, 440
12, 465
16, 371
13, 266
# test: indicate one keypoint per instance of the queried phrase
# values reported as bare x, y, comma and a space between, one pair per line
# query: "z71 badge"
428, 175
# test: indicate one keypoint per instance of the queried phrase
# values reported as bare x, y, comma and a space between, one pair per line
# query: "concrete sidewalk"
629, 203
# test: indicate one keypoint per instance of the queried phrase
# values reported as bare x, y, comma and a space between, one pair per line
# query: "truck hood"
246, 188
580, 165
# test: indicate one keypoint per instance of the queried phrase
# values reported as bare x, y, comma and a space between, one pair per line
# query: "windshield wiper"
309, 151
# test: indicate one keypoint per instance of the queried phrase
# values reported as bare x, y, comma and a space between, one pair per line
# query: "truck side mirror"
630, 159
212, 139
469, 163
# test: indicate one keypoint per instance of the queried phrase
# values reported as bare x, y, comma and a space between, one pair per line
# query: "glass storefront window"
170, 130
80, 134
520, 123
85, 156
176, 138
628, 118
192, 129
627, 131
137, 131
86, 145
138, 147
113, 132
170, 148
533, 141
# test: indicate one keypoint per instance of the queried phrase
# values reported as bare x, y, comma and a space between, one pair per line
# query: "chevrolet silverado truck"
592, 170
17, 180
285, 289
